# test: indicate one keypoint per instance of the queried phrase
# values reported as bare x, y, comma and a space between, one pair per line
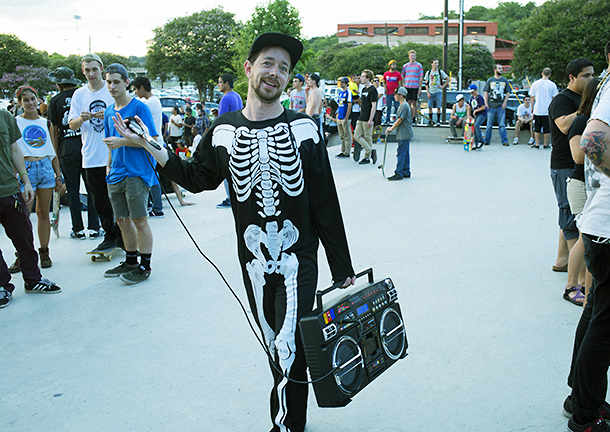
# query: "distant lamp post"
77, 18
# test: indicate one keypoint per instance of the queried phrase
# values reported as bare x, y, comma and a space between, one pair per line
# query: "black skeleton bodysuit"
284, 202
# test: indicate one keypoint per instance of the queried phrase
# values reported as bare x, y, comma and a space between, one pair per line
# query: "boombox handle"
319, 294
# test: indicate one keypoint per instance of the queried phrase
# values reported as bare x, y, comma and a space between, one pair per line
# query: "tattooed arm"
594, 143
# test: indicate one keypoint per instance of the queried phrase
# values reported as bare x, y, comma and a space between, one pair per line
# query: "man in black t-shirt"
562, 112
67, 144
368, 107
189, 121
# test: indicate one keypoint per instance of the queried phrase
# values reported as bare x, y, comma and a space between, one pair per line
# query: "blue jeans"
477, 128
154, 198
492, 114
402, 159
567, 221
389, 101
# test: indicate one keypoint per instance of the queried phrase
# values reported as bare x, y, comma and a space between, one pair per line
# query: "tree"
425, 54
508, 15
14, 52
277, 16
196, 48
560, 31
477, 62
33, 76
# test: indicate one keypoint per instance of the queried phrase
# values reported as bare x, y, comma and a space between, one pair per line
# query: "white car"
332, 92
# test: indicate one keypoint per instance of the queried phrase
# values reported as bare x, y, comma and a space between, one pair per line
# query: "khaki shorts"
129, 198
577, 195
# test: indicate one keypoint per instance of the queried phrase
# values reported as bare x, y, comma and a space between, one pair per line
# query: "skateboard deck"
357, 151
55, 216
469, 135
102, 254
426, 117
385, 151
454, 139
376, 133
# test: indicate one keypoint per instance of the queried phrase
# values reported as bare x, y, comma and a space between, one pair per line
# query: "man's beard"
264, 94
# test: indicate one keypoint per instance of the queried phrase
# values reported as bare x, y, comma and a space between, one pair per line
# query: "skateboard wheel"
93, 258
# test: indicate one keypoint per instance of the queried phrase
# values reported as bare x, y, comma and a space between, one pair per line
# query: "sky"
123, 27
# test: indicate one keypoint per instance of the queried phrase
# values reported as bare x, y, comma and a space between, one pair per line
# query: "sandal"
578, 299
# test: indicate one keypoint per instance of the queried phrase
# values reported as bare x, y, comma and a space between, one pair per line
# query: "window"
382, 30
358, 31
416, 30
475, 30
452, 30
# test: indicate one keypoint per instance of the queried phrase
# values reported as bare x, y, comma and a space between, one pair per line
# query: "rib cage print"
263, 161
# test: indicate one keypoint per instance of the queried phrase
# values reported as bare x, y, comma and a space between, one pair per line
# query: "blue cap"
472, 87
300, 77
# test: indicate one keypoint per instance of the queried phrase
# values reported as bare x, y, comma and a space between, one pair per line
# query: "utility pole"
445, 45
387, 39
461, 46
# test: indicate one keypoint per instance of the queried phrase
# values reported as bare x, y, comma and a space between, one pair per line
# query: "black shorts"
541, 124
412, 94
527, 126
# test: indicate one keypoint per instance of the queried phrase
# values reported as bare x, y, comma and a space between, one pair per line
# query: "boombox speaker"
351, 340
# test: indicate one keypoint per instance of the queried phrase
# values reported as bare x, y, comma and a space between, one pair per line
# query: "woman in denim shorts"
41, 164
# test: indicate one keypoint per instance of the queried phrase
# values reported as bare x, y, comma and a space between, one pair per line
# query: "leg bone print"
281, 263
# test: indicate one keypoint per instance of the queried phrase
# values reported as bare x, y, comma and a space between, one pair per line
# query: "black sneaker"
598, 425
135, 276
568, 410
225, 204
5, 297
395, 177
44, 286
16, 267
107, 244
78, 235
119, 270
341, 155
93, 234
374, 156
364, 162
156, 215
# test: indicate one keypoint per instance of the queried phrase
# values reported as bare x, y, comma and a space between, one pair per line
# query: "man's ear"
248, 68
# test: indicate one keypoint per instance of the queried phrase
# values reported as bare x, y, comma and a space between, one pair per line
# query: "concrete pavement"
469, 242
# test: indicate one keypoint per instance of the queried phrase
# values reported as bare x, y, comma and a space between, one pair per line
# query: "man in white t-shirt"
542, 93
298, 96
87, 113
524, 120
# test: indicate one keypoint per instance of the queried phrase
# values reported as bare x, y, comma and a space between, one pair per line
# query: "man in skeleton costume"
285, 201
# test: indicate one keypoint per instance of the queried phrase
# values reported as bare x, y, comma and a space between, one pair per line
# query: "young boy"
129, 180
404, 133
477, 110
525, 120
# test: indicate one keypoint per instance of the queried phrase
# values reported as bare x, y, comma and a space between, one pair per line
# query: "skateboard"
376, 133
454, 139
432, 122
385, 151
55, 216
357, 150
102, 254
469, 135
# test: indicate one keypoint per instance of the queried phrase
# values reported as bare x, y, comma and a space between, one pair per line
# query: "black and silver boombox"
352, 339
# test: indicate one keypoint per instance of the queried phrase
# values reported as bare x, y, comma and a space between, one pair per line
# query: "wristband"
22, 173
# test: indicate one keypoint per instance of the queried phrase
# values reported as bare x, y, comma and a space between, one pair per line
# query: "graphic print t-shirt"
59, 109
95, 152
496, 89
35, 140
368, 96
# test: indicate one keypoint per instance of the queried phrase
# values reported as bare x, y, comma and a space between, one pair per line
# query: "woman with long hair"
42, 166
579, 279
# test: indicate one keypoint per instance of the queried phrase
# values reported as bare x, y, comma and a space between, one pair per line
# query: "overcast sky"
123, 27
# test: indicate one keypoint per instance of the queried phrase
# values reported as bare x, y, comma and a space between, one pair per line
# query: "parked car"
332, 92
167, 103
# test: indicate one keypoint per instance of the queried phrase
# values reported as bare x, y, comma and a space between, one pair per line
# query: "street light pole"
445, 45
461, 46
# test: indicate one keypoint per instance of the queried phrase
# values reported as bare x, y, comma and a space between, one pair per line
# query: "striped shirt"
412, 73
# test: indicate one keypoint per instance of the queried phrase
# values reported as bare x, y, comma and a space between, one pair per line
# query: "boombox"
352, 339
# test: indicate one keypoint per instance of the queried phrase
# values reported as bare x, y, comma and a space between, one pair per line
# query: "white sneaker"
516, 140
531, 141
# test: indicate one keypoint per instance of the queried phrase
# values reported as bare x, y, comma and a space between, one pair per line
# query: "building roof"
415, 22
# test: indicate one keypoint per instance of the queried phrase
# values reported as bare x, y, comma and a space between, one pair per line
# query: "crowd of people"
90, 132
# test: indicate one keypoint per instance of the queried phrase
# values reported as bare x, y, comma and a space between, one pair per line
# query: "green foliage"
196, 48
560, 31
425, 54
452, 15
277, 16
477, 62
14, 52
320, 43
508, 15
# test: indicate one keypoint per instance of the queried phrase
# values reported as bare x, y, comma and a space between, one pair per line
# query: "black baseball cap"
289, 43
